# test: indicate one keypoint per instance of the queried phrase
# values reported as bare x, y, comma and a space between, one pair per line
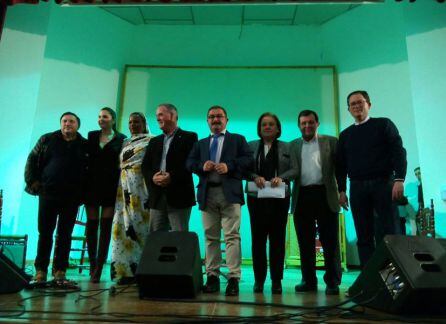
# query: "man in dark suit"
220, 161
170, 185
315, 201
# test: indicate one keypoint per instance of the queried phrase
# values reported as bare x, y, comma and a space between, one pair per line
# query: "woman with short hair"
269, 216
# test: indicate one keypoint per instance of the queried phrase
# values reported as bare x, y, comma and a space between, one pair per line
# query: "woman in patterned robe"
131, 219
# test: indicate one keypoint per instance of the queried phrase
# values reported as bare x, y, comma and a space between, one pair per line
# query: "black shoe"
276, 287
232, 287
332, 290
212, 285
258, 288
304, 287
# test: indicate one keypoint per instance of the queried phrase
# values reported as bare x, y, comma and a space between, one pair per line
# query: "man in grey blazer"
315, 201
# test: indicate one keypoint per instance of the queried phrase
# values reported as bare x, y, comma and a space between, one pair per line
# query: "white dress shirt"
311, 169
166, 145
363, 122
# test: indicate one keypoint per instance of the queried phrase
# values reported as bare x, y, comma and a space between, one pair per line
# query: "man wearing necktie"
220, 161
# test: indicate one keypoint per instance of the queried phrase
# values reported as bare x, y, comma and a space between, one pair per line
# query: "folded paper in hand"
268, 191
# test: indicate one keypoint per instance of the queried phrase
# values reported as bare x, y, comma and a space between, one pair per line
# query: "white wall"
426, 47
21, 59
368, 46
73, 63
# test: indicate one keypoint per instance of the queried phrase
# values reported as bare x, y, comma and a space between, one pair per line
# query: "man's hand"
161, 178
208, 166
166, 179
157, 177
397, 190
275, 182
343, 200
35, 186
221, 168
260, 182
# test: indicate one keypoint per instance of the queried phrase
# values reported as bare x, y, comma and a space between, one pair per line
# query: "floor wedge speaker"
170, 266
406, 275
12, 278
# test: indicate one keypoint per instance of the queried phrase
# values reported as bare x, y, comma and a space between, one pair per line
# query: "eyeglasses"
216, 116
357, 103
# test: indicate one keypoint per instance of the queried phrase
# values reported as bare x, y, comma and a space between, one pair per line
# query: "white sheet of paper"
269, 192
252, 187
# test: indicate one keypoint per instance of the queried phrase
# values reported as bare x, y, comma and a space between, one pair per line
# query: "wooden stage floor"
106, 302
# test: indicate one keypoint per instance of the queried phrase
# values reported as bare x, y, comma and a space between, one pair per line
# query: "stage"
106, 302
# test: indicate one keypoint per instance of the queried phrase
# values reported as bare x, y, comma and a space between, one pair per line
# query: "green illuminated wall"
245, 92
54, 59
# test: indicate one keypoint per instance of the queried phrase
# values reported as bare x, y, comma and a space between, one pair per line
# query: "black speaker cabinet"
406, 275
12, 278
170, 266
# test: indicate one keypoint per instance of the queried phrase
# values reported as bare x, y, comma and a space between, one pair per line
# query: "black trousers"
64, 214
374, 214
312, 210
268, 218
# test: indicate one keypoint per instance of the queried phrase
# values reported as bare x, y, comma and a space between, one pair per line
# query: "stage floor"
106, 302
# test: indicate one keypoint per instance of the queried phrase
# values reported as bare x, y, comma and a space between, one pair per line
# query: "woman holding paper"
272, 173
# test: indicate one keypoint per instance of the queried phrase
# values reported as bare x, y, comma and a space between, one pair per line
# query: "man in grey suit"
315, 201
220, 161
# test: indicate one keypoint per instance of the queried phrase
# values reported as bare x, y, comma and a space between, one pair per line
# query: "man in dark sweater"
55, 171
371, 153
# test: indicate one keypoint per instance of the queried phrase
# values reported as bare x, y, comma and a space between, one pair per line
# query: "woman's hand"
275, 182
260, 182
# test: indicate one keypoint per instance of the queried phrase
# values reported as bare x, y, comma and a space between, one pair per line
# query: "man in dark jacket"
55, 171
170, 185
220, 161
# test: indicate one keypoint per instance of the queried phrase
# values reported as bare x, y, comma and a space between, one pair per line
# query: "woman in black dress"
104, 146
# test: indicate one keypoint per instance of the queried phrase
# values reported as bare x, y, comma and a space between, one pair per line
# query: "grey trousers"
218, 215
169, 218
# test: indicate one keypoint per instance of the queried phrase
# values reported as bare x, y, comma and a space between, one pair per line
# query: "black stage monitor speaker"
406, 275
12, 278
170, 266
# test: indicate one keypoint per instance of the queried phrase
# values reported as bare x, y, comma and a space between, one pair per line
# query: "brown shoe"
59, 275
40, 277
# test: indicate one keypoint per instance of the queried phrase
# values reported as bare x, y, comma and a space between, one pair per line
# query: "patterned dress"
131, 219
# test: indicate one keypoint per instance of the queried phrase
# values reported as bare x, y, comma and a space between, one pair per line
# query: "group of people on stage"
132, 187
